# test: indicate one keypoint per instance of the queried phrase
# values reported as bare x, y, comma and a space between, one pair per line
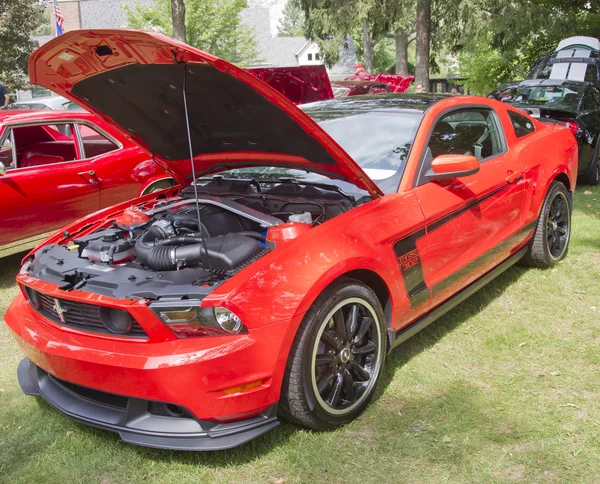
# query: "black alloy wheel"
550, 241
336, 359
557, 225
345, 359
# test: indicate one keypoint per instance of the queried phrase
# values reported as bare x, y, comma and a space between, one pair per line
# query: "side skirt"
397, 338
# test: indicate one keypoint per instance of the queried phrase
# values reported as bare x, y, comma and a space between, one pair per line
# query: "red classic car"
396, 82
57, 166
276, 283
301, 84
358, 88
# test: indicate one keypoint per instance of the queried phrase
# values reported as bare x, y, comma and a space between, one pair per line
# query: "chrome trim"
263, 219
13, 147
79, 141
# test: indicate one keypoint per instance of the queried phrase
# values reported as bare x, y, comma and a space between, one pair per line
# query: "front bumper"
134, 419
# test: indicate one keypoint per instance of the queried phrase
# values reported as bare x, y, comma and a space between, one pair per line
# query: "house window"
310, 57
317, 56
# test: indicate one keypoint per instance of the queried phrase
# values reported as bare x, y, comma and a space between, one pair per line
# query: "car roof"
541, 83
34, 115
411, 101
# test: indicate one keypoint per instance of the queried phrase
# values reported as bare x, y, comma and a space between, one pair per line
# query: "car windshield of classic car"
562, 95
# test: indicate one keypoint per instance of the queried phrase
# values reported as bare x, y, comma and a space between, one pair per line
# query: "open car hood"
135, 81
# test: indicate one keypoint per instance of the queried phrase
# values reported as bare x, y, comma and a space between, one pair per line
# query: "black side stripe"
409, 259
469, 206
471, 266
410, 266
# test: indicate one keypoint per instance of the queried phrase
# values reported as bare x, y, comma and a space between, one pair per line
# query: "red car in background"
396, 82
301, 85
57, 166
277, 283
358, 88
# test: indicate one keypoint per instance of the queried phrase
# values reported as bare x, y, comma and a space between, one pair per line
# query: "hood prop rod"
189, 136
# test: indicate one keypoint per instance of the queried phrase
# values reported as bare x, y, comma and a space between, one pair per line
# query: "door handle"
513, 177
90, 176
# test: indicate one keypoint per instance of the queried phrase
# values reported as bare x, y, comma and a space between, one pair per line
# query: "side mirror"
446, 167
2, 169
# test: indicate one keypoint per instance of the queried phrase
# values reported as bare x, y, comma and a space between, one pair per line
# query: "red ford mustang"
311, 244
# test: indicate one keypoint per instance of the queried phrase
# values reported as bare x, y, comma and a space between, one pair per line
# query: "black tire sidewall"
556, 188
356, 290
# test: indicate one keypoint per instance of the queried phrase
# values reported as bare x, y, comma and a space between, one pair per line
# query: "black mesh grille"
86, 317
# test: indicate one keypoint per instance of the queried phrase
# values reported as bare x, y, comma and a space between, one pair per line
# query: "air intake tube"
161, 253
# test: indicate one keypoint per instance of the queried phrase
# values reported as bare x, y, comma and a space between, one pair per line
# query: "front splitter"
132, 419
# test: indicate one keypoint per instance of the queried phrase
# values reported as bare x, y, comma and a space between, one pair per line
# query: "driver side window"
467, 132
474, 132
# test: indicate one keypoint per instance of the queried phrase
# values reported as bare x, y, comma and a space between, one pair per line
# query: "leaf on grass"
572, 405
522, 344
555, 373
587, 192
446, 439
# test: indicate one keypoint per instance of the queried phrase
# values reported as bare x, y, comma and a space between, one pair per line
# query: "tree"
497, 40
291, 24
18, 21
423, 42
212, 26
178, 14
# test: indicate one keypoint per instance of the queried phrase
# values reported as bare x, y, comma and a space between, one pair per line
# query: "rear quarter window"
522, 125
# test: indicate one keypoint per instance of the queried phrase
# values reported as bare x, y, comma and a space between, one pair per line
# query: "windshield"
378, 140
566, 95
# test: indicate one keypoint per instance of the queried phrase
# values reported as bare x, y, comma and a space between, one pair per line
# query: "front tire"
336, 359
550, 242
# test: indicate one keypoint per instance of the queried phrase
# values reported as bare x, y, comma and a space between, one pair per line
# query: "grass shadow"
433, 333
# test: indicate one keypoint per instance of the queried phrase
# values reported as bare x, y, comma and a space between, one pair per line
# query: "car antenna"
189, 136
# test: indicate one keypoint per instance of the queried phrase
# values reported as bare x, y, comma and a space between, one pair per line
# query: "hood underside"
140, 82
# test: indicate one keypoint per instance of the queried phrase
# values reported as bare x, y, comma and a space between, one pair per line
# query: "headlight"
189, 319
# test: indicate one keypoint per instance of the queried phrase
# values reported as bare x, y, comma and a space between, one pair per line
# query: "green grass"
506, 387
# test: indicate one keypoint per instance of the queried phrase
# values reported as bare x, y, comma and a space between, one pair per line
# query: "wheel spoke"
324, 359
349, 386
336, 393
370, 347
352, 322
326, 380
359, 371
329, 340
340, 327
561, 230
556, 243
365, 324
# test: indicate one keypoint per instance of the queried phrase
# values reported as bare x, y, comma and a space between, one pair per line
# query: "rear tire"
550, 242
593, 176
336, 359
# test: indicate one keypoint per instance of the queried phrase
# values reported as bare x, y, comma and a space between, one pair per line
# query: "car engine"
197, 239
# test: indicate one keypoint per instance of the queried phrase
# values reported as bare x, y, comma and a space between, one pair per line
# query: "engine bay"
196, 239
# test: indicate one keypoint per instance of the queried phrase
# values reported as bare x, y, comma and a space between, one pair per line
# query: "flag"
60, 20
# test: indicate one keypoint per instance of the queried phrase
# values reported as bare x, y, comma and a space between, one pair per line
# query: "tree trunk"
422, 43
178, 12
401, 52
367, 48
